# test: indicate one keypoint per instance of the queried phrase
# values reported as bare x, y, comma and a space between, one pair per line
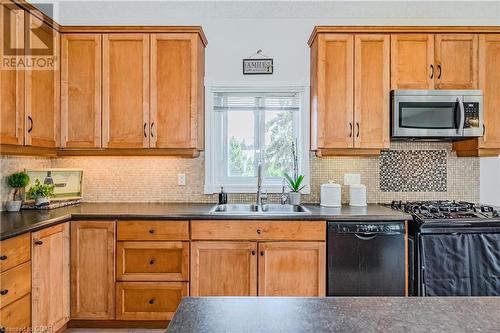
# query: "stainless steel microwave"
436, 114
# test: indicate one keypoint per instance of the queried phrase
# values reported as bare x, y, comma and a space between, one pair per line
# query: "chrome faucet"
260, 196
284, 195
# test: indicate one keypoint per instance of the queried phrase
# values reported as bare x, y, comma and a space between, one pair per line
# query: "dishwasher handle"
366, 236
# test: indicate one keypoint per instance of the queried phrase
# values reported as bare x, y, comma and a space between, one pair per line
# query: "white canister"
357, 195
331, 195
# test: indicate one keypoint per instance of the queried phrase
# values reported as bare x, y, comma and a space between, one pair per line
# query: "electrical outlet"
352, 179
181, 179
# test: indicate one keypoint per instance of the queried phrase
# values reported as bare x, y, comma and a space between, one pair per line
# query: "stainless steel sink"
249, 209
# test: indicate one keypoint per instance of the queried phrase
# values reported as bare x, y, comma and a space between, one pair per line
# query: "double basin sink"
251, 209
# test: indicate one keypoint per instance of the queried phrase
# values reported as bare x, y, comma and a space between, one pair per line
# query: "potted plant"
17, 181
41, 193
295, 188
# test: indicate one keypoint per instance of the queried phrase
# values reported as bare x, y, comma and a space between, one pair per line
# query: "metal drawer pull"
3, 257
38, 242
262, 253
151, 231
357, 125
432, 71
350, 133
4, 292
439, 69
253, 252
152, 262
31, 124
259, 231
152, 301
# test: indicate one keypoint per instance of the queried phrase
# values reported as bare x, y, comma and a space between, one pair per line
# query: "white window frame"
212, 184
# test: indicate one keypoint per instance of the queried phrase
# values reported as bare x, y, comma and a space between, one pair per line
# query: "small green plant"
294, 184
17, 181
40, 190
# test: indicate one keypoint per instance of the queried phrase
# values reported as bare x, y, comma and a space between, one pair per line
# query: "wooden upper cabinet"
50, 277
42, 124
456, 58
12, 82
371, 89
412, 61
125, 89
223, 268
332, 74
177, 105
81, 91
292, 269
93, 270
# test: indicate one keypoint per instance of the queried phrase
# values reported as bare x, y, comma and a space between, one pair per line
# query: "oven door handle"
461, 122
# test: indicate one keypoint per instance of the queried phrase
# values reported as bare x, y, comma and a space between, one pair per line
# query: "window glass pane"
278, 140
241, 148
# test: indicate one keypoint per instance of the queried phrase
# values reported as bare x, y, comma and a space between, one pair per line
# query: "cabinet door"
332, 91
125, 91
456, 61
92, 270
371, 89
489, 82
12, 82
292, 269
412, 61
81, 91
177, 73
223, 269
50, 277
42, 89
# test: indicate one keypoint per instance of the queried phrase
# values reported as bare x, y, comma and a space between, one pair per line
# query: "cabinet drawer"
16, 317
14, 251
258, 230
148, 300
15, 283
153, 230
152, 261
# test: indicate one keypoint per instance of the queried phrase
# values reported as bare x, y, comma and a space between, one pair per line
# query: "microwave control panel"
471, 115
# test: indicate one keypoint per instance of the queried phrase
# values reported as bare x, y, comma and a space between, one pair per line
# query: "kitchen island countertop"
16, 223
339, 314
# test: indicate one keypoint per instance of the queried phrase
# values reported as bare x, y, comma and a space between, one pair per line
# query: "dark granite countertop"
13, 224
339, 314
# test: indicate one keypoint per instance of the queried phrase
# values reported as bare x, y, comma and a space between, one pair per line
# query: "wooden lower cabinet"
93, 270
16, 317
223, 268
14, 251
50, 278
149, 300
292, 269
15, 283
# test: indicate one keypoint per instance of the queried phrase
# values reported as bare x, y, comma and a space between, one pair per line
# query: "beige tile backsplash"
154, 179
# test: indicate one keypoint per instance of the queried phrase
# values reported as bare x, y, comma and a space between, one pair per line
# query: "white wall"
237, 29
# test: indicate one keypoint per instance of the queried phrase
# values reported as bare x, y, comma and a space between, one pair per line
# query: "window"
248, 126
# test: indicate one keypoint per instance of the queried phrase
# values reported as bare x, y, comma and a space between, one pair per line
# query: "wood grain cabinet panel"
16, 316
81, 91
152, 230
152, 261
125, 89
50, 277
371, 89
456, 57
12, 82
42, 89
332, 90
92, 270
412, 61
224, 268
15, 283
292, 269
149, 300
177, 67
14, 251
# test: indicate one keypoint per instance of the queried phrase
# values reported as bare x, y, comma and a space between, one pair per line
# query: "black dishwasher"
366, 259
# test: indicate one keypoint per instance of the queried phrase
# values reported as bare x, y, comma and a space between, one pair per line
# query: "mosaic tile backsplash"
154, 179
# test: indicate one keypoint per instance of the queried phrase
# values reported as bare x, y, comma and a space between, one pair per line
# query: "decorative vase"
13, 205
42, 201
294, 198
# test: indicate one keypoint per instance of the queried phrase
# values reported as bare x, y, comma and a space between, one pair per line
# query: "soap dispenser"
222, 197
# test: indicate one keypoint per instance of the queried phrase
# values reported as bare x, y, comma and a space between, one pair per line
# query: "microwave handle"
461, 122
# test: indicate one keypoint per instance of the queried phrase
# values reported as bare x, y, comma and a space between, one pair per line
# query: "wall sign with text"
257, 66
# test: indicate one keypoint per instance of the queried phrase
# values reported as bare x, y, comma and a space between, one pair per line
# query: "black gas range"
455, 248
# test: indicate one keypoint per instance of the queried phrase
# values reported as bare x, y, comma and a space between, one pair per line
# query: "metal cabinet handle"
432, 71
38, 242
3, 257
151, 231
145, 135
152, 262
439, 71
4, 292
261, 253
152, 301
357, 134
484, 129
350, 133
253, 252
259, 231
151, 130
31, 124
